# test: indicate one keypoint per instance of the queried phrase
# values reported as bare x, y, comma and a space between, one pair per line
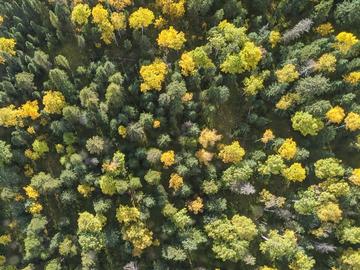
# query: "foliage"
239, 120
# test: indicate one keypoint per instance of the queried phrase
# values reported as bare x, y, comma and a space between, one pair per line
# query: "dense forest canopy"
180, 134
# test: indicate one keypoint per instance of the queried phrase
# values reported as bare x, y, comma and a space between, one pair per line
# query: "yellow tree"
287, 74
335, 115
7, 45
29, 109
325, 29
54, 102
141, 18
208, 137
99, 14
172, 39
352, 121
176, 181
9, 116
232, 153
168, 158
118, 20
345, 41
120, 4
274, 38
187, 64
153, 75
172, 8
288, 149
101, 18
327, 62
352, 78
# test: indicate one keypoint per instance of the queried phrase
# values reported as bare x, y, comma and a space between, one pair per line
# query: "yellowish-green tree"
80, 14
287, 74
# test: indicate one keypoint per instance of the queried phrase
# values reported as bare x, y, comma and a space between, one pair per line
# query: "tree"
287, 74
118, 20
172, 8
306, 123
153, 177
95, 145
7, 45
301, 27
187, 64
345, 13
353, 78
329, 212
134, 230
209, 137
231, 237
273, 165
141, 18
90, 235
172, 39
107, 185
328, 168
355, 177
241, 172
350, 259
246, 60
168, 158
325, 29
80, 14
176, 181
335, 115
277, 246
352, 121
267, 136
153, 75
345, 41
120, 4
45, 183
6, 155
196, 206
302, 262
99, 14
253, 85
232, 153
327, 63
288, 149
54, 102
295, 173
351, 235
274, 38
